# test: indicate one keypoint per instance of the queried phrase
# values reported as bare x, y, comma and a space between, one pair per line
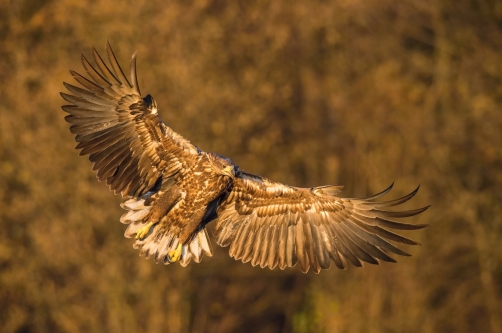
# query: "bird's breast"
203, 185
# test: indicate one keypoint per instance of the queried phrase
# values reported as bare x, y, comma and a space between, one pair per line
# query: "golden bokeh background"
352, 92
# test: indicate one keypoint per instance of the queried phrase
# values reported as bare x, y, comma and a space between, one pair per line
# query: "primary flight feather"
171, 189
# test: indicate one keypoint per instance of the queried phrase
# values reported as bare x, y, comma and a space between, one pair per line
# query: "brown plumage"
171, 189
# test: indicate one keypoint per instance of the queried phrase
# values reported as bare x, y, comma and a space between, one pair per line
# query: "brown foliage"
356, 92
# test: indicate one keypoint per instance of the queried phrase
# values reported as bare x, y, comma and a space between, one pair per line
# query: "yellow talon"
175, 255
143, 231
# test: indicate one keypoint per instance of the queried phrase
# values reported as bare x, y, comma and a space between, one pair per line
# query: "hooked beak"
228, 171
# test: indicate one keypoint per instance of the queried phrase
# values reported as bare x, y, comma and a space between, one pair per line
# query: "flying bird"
171, 189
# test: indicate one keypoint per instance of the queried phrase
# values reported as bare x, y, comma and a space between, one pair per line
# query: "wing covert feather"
273, 224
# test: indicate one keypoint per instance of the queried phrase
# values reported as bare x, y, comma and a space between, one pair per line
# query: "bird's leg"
143, 231
186, 234
162, 202
175, 255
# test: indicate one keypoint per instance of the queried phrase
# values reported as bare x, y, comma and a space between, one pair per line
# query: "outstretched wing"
273, 224
121, 132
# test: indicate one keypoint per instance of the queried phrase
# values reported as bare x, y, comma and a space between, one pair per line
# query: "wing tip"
380, 194
83, 58
134, 75
415, 191
119, 74
66, 97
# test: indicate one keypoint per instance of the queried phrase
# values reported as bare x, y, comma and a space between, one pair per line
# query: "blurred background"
358, 93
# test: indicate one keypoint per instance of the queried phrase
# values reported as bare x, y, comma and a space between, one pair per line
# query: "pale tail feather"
136, 216
159, 246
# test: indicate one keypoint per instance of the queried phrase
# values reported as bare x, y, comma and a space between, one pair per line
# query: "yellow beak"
229, 171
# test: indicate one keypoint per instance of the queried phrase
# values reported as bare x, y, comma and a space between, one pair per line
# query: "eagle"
171, 189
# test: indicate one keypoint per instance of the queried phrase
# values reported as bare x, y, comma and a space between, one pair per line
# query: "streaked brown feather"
88, 120
255, 259
94, 74
390, 203
373, 238
283, 241
234, 246
291, 258
107, 153
90, 96
248, 247
322, 227
273, 246
91, 86
320, 253
267, 223
112, 155
77, 112
265, 246
352, 246
83, 103
344, 250
398, 225
110, 77
241, 241
364, 245
309, 243
301, 254
374, 213
108, 113
115, 66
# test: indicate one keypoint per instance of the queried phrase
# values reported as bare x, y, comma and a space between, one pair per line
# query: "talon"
175, 255
143, 231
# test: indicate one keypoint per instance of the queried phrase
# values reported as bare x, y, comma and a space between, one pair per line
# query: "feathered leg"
162, 203
187, 234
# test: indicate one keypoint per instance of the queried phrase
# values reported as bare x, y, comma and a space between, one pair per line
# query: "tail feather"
135, 215
196, 250
186, 255
133, 204
204, 243
198, 246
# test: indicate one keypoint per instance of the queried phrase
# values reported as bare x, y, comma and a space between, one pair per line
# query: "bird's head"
222, 165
